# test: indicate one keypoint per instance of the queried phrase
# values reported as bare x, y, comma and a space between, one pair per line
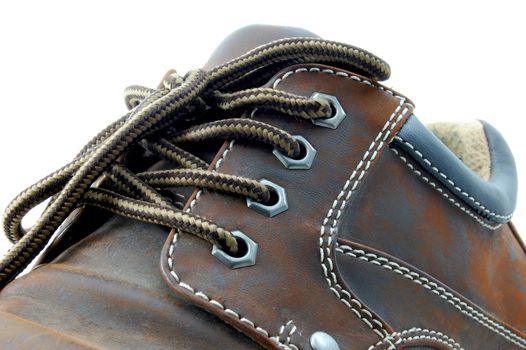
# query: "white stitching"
398, 338
215, 303
340, 74
444, 193
202, 295
291, 330
380, 140
436, 289
457, 188
432, 335
337, 209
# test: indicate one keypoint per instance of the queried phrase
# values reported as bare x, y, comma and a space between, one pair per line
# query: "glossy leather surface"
494, 199
401, 214
249, 37
106, 292
407, 297
287, 283
120, 284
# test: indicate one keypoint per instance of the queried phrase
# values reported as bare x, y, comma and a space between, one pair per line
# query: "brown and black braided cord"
232, 86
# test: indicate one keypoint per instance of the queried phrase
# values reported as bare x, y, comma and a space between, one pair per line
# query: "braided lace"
162, 121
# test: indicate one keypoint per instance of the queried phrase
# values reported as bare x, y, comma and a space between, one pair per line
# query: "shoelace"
162, 121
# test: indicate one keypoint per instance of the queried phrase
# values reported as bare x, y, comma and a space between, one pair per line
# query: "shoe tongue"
250, 37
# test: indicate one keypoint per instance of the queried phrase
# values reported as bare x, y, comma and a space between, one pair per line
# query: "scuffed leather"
287, 283
400, 214
106, 292
99, 285
407, 297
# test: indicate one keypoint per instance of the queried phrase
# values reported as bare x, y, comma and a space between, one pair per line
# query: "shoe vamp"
106, 291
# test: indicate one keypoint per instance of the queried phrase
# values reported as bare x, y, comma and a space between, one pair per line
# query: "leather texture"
249, 37
404, 215
396, 288
494, 199
302, 294
373, 250
106, 292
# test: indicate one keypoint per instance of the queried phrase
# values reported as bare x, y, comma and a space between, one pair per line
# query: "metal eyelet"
305, 162
250, 249
339, 113
272, 210
323, 341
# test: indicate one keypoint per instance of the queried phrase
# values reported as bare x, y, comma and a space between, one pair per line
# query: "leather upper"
376, 249
249, 37
271, 293
494, 199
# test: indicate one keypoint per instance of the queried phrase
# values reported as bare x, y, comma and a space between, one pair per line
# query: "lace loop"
228, 87
238, 128
267, 98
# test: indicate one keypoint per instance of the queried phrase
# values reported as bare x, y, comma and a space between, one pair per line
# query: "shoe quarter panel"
401, 211
290, 281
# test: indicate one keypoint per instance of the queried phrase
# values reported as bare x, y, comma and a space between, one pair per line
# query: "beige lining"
469, 143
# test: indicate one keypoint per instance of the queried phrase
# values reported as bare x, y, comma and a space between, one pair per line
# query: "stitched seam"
457, 188
201, 294
340, 74
216, 303
291, 330
366, 155
436, 289
336, 211
444, 193
398, 338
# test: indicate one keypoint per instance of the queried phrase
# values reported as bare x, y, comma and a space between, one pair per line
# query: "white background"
63, 65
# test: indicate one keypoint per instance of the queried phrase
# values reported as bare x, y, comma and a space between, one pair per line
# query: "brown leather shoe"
327, 216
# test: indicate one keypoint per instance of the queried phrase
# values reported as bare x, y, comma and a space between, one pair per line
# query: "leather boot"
284, 200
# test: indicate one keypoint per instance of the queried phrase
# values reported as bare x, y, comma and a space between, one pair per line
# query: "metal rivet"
323, 341
303, 163
339, 113
271, 210
248, 259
